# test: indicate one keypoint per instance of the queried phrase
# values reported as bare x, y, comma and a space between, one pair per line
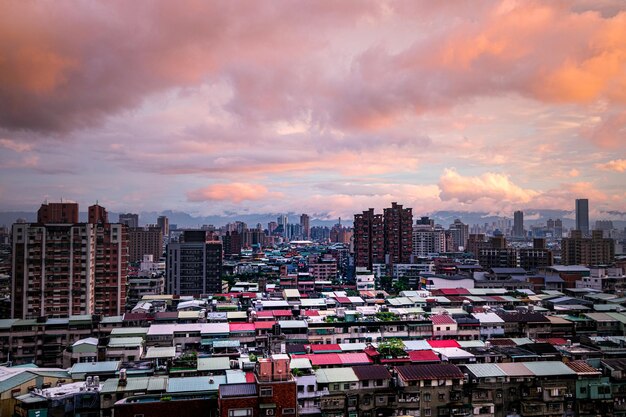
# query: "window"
266, 392
346, 386
366, 384
442, 396
240, 412
427, 412
335, 387
379, 382
427, 397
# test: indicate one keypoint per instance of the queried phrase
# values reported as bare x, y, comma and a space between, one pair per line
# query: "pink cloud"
617, 165
16, 146
610, 133
488, 185
234, 192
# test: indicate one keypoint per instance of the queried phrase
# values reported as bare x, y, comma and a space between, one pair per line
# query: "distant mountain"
445, 218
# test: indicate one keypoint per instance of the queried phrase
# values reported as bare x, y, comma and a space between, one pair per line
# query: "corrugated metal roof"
485, 370
583, 368
332, 375
293, 324
446, 343
237, 390
116, 342
371, 372
549, 368
438, 371
195, 384
15, 379
464, 344
152, 383
125, 331
515, 369
416, 345
453, 353
218, 363
161, 352
95, 367
423, 356
300, 363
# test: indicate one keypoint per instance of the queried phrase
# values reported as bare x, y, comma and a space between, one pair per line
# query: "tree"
392, 348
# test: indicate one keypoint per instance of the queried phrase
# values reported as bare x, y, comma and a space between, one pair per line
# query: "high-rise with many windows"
193, 265
62, 268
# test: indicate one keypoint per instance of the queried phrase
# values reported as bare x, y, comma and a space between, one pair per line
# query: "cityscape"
316, 209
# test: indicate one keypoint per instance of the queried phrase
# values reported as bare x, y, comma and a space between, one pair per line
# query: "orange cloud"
488, 185
617, 165
235, 192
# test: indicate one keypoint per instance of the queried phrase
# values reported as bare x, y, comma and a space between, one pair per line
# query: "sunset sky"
320, 107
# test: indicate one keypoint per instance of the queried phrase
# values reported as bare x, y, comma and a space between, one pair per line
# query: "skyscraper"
582, 216
398, 225
63, 268
194, 266
129, 219
283, 221
518, 224
164, 223
145, 241
369, 239
306, 227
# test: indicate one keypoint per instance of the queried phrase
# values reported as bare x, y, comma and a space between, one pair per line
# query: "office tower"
62, 269
271, 226
604, 225
582, 216
193, 265
164, 223
594, 251
369, 239
146, 240
306, 227
283, 222
65, 213
459, 233
518, 224
425, 221
558, 228
129, 219
398, 225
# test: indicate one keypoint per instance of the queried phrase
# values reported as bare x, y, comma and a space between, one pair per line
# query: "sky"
322, 107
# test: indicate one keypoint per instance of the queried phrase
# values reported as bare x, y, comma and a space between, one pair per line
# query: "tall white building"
428, 239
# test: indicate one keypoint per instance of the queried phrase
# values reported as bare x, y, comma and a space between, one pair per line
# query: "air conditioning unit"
539, 389
269, 412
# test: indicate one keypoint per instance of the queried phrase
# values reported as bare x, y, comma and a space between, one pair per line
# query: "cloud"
617, 165
609, 132
488, 185
233, 192
15, 146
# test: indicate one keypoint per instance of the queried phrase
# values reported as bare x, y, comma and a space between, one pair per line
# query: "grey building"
582, 215
193, 265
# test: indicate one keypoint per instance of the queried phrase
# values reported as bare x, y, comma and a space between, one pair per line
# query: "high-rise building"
97, 214
428, 239
193, 265
283, 221
398, 225
582, 216
558, 228
369, 239
459, 233
232, 243
306, 227
518, 223
62, 269
146, 240
594, 251
164, 223
129, 219
64, 213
